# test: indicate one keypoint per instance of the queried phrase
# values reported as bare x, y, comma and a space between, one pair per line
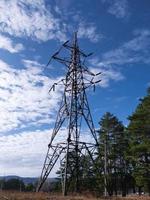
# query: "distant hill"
26, 180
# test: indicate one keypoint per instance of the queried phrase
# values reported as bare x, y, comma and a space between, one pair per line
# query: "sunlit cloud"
7, 44
89, 31
25, 152
24, 97
132, 51
30, 19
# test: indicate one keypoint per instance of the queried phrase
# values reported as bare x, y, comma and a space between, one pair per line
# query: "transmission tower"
74, 111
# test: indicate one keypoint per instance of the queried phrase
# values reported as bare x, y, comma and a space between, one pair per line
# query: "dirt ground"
45, 196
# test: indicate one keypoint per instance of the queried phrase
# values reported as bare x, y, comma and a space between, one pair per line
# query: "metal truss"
74, 109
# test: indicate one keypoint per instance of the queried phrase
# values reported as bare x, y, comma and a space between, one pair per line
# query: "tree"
139, 129
86, 173
14, 184
112, 153
2, 181
30, 187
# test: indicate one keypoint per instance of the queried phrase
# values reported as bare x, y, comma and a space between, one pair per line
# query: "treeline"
123, 155
16, 184
124, 152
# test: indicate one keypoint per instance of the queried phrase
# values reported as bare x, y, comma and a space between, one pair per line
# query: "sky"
117, 31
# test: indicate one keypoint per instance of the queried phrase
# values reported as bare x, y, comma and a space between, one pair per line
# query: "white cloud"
108, 73
25, 102
29, 19
74, 21
7, 44
24, 97
118, 8
88, 31
23, 154
140, 42
33, 19
132, 51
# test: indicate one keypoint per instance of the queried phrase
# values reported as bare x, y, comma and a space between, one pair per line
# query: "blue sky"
117, 31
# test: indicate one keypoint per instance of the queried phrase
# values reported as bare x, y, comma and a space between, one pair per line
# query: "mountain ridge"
26, 180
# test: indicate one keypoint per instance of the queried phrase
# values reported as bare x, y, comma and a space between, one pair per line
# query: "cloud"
23, 154
24, 97
88, 31
30, 19
35, 20
26, 105
132, 51
108, 73
118, 8
85, 28
7, 44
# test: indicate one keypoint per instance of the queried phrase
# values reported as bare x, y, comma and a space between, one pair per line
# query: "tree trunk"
139, 190
115, 182
149, 188
123, 186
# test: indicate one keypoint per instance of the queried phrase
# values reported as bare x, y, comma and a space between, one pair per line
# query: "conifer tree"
139, 129
112, 153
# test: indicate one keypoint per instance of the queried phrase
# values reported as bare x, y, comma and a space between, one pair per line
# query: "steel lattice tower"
74, 109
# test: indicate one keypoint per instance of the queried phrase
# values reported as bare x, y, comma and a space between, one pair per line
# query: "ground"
45, 196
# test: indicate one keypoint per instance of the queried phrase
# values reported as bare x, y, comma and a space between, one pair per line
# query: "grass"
45, 196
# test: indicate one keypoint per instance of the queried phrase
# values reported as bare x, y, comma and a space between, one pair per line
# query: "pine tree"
112, 153
139, 129
86, 171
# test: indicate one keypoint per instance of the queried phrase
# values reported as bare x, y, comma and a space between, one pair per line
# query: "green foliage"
14, 184
87, 175
112, 150
139, 129
30, 187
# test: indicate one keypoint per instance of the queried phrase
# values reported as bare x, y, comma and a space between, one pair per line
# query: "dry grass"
45, 196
